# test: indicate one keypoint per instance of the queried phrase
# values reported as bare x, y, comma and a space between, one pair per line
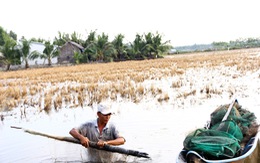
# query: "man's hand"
101, 143
84, 141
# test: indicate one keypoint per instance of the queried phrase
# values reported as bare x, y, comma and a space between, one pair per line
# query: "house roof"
76, 44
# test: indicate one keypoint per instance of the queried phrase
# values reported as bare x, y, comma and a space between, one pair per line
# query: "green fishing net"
222, 138
230, 127
212, 143
241, 116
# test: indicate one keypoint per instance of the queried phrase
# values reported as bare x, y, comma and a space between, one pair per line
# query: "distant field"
81, 85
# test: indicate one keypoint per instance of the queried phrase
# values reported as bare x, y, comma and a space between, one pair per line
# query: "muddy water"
159, 131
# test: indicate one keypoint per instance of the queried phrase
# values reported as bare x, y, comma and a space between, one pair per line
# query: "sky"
183, 22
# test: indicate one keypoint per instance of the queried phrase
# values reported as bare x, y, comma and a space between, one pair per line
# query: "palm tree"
148, 48
24, 50
75, 37
2, 33
37, 40
91, 38
89, 51
154, 46
62, 39
10, 53
105, 49
77, 56
102, 49
137, 48
120, 47
159, 46
50, 51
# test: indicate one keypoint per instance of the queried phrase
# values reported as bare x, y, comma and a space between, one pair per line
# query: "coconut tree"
77, 56
89, 51
75, 37
50, 51
120, 47
137, 48
62, 39
105, 49
41, 40
24, 50
10, 52
101, 49
154, 45
158, 46
2, 35
91, 38
148, 49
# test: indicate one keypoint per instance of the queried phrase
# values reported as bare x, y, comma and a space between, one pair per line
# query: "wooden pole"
94, 145
229, 110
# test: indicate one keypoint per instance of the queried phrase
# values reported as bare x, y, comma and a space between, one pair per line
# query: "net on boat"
223, 138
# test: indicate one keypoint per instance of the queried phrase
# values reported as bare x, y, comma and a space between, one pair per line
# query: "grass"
86, 84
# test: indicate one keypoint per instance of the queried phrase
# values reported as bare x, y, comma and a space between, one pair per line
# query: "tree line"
97, 48
240, 43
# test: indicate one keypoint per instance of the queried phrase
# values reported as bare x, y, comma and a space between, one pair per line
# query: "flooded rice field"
158, 131
156, 103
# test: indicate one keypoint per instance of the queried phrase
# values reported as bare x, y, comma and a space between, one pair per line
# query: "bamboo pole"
94, 145
229, 110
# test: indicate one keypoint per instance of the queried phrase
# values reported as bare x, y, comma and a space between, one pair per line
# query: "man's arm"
117, 141
83, 140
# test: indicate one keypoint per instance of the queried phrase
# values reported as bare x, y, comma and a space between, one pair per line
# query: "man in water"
100, 130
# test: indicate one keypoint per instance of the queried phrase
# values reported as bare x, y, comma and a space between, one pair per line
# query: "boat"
251, 154
199, 150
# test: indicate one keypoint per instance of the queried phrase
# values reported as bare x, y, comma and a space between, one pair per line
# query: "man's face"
104, 118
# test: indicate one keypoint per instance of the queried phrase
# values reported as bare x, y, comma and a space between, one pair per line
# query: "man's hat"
104, 109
